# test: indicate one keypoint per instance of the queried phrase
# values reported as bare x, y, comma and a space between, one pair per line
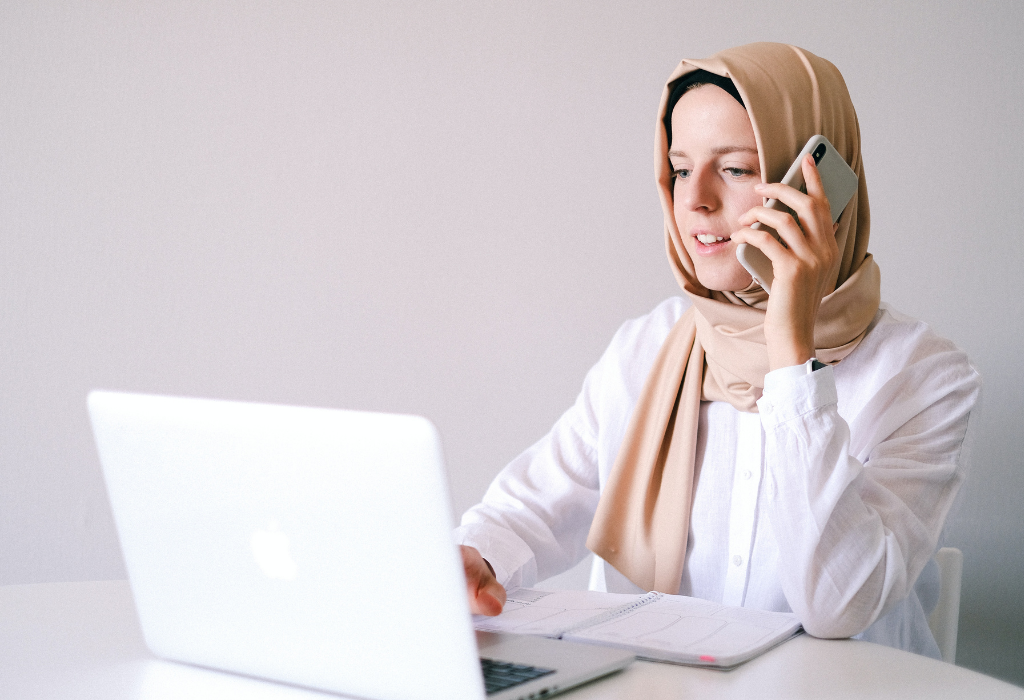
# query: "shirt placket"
742, 511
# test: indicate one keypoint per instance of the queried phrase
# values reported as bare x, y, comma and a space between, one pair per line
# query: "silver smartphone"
839, 181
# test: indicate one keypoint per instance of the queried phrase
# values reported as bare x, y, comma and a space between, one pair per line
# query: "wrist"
788, 354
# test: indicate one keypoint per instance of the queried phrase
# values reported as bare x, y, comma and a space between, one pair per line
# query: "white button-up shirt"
829, 502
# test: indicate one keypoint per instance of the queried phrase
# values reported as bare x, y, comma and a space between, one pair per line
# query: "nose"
698, 191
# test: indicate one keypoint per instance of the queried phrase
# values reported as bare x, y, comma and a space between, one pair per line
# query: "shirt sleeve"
856, 522
534, 518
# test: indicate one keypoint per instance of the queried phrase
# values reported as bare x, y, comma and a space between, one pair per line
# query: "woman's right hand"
486, 595
806, 264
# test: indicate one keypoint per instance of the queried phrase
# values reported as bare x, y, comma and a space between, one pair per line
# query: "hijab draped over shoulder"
717, 351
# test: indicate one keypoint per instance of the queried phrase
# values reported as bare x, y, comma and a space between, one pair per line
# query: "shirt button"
748, 474
737, 559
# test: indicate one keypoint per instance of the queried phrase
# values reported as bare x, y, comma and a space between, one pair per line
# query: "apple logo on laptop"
270, 549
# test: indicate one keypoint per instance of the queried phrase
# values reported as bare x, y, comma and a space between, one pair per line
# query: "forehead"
707, 117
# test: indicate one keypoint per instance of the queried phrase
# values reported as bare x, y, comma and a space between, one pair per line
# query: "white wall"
446, 208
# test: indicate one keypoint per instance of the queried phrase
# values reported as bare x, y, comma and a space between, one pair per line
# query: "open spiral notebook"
654, 626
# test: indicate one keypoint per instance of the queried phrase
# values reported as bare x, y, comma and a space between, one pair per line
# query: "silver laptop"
310, 546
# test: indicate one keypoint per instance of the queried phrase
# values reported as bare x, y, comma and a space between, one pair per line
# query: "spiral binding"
643, 600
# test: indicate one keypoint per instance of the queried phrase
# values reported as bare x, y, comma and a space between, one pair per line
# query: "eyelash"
682, 173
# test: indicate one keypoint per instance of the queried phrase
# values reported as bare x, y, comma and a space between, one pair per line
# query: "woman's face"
714, 158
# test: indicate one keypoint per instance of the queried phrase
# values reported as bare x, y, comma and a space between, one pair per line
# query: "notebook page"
550, 613
690, 630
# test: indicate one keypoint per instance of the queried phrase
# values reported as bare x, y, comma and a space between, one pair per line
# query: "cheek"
754, 201
748, 201
678, 210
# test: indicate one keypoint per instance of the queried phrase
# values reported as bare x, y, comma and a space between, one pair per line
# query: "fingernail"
759, 187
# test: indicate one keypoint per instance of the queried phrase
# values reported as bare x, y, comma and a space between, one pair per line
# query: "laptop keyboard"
499, 675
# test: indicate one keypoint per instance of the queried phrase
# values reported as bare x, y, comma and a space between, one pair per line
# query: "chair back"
945, 618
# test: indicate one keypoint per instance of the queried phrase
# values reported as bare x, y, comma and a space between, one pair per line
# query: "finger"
812, 208
783, 223
767, 216
818, 209
486, 595
805, 210
789, 196
489, 591
812, 178
491, 598
487, 598
763, 241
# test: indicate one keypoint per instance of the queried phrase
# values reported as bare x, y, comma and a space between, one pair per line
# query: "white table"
82, 640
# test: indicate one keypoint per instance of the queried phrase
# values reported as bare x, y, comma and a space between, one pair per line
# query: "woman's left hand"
805, 268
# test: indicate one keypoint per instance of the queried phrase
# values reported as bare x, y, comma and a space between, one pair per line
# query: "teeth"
708, 239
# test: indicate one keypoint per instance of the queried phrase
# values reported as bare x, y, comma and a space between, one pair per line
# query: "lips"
708, 243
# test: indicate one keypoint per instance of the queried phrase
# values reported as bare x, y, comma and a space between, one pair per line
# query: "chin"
725, 283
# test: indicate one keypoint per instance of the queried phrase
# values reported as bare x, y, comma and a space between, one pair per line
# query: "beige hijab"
716, 351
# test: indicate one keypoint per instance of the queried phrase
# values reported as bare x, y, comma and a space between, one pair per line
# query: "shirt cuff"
790, 392
507, 554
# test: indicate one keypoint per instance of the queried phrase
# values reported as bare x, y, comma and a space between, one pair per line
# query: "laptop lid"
311, 546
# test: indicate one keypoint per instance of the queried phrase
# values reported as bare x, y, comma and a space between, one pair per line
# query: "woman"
793, 452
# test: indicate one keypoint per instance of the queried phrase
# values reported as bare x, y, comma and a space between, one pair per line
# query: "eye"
681, 173
739, 172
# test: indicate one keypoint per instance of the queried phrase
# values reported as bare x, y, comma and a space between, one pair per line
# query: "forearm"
853, 531
533, 520
839, 563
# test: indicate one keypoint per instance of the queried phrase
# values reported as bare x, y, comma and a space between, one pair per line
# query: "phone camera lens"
818, 153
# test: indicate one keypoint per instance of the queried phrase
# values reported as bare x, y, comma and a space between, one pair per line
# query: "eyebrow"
721, 150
